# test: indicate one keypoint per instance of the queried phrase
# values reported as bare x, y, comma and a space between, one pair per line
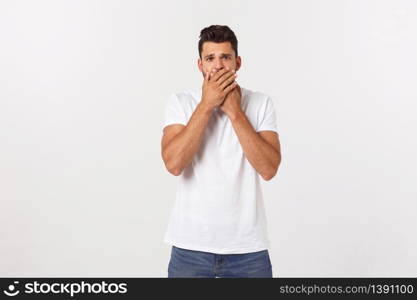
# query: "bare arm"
261, 149
180, 143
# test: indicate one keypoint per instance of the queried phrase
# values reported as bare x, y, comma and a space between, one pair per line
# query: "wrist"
205, 107
236, 115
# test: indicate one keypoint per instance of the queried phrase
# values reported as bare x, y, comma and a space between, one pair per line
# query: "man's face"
218, 56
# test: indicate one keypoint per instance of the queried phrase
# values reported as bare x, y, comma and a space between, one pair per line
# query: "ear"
238, 63
200, 65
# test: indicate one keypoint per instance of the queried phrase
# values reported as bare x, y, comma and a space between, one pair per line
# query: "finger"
212, 72
229, 88
219, 74
225, 76
226, 79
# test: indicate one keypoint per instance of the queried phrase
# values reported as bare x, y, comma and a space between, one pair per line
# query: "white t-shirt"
219, 204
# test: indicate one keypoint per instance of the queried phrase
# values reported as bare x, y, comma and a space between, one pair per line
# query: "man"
219, 140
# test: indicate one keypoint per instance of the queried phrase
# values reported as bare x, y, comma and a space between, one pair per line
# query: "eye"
210, 58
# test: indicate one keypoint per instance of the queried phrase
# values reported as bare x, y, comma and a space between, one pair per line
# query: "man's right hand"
217, 86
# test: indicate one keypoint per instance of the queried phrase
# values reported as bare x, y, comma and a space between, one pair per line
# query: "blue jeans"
191, 263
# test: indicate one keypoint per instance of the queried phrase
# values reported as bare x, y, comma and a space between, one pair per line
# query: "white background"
83, 88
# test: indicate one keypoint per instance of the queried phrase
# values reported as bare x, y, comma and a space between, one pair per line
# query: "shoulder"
255, 99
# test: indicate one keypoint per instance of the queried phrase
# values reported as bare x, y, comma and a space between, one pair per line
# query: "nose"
219, 64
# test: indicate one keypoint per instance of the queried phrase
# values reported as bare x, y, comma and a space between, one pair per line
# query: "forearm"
261, 155
181, 149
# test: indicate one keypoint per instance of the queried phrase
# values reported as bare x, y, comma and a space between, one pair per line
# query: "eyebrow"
223, 54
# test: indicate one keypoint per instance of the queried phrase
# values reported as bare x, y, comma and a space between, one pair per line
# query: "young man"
219, 139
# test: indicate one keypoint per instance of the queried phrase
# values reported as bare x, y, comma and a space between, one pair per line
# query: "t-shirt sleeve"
267, 118
174, 112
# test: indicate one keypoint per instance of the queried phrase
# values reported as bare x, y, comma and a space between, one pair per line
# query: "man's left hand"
231, 104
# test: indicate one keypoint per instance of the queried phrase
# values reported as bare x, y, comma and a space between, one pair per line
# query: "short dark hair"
217, 34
